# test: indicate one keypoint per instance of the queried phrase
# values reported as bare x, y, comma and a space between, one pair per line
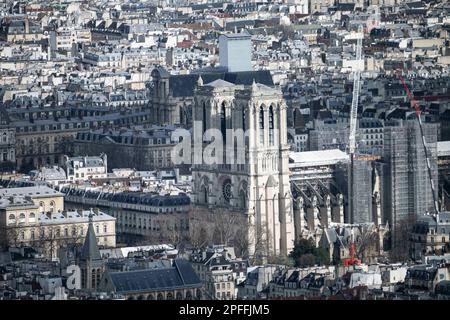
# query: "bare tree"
367, 243
262, 249
198, 234
400, 238
241, 242
174, 235
224, 225
9, 236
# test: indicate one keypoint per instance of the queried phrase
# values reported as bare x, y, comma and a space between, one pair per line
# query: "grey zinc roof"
73, 217
34, 192
179, 275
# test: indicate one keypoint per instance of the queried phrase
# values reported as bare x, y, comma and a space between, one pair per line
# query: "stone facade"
258, 188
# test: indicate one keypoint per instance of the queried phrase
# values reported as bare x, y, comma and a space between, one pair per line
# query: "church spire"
199, 81
90, 249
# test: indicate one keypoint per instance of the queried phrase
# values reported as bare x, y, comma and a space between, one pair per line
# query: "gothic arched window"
261, 125
204, 117
243, 199
205, 195
223, 123
271, 126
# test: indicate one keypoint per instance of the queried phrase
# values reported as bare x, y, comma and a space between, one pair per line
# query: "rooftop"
33, 192
317, 158
443, 148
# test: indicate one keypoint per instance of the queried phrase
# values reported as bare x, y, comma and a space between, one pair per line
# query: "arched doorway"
160, 296
169, 296
188, 295
179, 296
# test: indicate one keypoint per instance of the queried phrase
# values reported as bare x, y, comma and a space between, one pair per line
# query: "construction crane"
354, 119
352, 261
425, 149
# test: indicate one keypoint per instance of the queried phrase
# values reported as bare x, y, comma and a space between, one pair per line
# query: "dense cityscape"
224, 150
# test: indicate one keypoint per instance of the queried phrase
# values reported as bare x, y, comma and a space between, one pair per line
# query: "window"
11, 219
261, 125
97, 229
52, 206
66, 232
105, 228
22, 218
271, 126
223, 123
32, 235
204, 117
32, 218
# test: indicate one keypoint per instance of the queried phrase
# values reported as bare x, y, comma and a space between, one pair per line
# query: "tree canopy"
305, 254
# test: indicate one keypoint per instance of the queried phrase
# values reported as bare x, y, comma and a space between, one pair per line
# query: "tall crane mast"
354, 120
425, 149
355, 98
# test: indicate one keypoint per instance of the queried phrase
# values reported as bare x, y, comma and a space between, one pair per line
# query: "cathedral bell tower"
255, 183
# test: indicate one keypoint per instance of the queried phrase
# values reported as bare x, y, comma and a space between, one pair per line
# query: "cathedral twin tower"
255, 184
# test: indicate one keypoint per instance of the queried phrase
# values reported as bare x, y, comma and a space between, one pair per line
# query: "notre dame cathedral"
256, 189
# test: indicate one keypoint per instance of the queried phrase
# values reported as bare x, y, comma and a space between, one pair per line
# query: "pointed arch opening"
204, 117
223, 122
261, 125
271, 126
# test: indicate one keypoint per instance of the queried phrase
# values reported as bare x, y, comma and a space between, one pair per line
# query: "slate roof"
90, 249
132, 197
180, 275
219, 83
33, 192
184, 85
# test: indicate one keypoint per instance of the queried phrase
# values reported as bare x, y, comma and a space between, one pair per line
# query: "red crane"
352, 261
